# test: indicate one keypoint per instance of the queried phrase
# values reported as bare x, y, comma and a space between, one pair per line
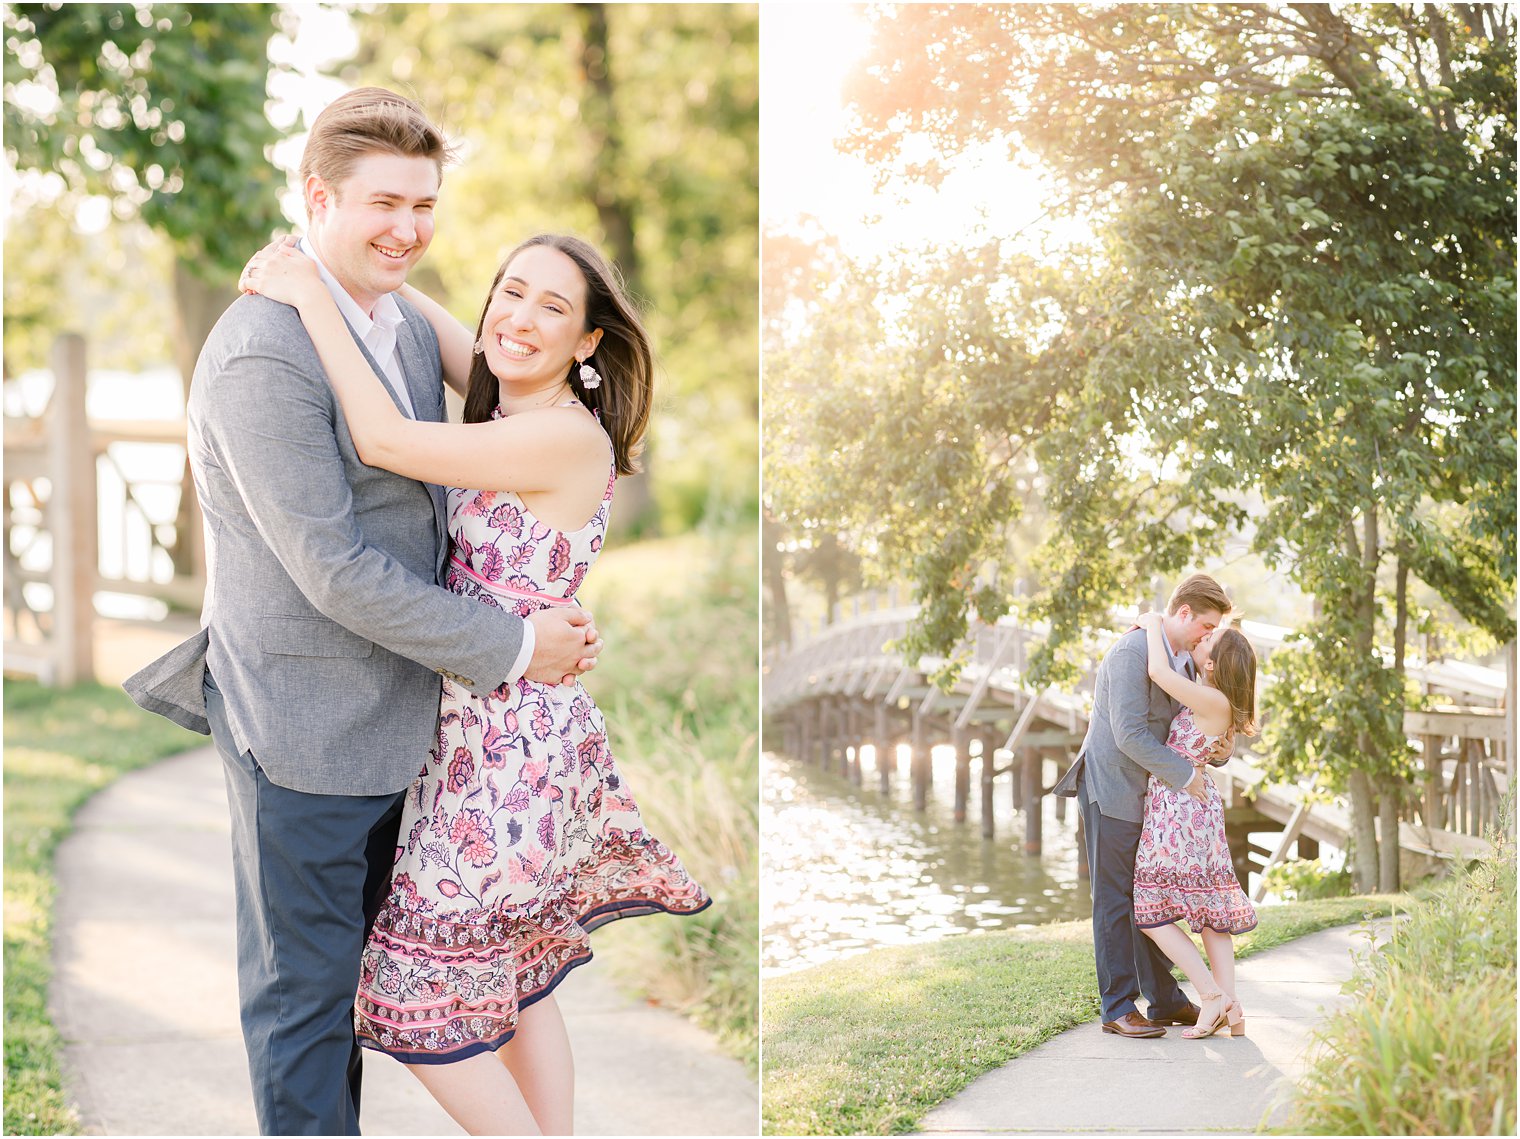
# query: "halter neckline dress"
1183, 869
520, 835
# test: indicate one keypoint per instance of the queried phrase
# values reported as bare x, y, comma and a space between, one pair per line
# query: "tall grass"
680, 690
1428, 1045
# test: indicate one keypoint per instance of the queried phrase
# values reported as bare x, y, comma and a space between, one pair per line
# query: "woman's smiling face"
536, 321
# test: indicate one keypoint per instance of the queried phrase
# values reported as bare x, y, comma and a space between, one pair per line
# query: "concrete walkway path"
145, 993
1089, 1080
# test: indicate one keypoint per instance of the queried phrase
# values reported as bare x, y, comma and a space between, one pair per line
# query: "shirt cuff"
524, 654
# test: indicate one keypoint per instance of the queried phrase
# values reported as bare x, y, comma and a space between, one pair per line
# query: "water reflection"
848, 869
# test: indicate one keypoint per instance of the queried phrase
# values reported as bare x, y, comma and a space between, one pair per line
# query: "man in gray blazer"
1124, 746
325, 632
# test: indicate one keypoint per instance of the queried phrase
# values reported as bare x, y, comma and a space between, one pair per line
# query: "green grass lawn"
60, 748
867, 1045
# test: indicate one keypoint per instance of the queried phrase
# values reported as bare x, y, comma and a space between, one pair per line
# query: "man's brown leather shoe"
1132, 1024
1187, 1014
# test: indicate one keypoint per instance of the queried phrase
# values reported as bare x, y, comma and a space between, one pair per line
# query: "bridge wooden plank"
1022, 726
1289, 836
1469, 724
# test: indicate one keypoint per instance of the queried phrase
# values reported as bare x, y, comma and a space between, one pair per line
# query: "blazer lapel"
380, 373
421, 368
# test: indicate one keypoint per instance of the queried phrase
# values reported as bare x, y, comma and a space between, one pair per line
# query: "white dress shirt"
378, 331
1181, 661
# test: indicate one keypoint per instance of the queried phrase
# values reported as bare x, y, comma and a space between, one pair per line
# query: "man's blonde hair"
365, 121
1201, 594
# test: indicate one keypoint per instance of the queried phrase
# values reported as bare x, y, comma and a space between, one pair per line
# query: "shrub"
1427, 1046
1306, 879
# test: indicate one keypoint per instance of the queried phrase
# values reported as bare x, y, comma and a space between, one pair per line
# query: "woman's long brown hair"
1235, 675
623, 357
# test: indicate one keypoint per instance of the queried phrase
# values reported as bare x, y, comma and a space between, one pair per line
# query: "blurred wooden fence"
54, 502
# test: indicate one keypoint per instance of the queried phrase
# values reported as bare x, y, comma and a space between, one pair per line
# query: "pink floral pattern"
1183, 870
520, 835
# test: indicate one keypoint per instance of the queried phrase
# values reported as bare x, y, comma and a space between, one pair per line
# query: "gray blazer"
1126, 736
324, 624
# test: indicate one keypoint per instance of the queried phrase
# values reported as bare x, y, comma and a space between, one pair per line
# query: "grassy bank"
60, 748
1427, 1047
680, 690
867, 1045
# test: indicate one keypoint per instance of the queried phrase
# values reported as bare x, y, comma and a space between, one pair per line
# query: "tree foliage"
160, 107
636, 126
1301, 286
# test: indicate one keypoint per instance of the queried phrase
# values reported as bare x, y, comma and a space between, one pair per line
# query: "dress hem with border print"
520, 835
1183, 869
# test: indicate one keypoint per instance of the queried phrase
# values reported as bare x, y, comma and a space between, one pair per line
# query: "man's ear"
318, 195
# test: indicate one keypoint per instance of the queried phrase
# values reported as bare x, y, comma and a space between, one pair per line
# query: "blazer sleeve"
272, 427
1128, 713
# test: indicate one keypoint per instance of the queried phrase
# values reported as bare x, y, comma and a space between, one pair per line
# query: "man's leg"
299, 868
1112, 874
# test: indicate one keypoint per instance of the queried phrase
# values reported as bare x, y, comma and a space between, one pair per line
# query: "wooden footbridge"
831, 694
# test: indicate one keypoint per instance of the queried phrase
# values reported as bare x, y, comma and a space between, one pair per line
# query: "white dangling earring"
478, 347
590, 377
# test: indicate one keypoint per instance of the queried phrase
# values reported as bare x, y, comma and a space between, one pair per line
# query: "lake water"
848, 869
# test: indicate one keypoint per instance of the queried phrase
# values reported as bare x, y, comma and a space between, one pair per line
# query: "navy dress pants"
309, 872
1129, 963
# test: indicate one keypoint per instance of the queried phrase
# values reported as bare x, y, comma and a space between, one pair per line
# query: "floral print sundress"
520, 836
1183, 870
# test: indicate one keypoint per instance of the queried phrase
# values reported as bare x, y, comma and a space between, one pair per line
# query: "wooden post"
886, 750
72, 515
961, 740
1510, 742
1431, 809
825, 732
852, 721
1034, 800
919, 763
988, 746
1238, 837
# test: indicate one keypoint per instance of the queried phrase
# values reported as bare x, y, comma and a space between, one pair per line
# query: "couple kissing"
1170, 696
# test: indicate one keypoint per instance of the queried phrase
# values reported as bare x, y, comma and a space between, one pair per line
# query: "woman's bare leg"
1180, 950
480, 1095
1221, 950
540, 1062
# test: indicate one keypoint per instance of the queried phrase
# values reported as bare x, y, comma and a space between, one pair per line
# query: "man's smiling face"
376, 224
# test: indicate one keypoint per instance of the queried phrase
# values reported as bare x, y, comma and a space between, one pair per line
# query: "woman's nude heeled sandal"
1204, 1029
1237, 1019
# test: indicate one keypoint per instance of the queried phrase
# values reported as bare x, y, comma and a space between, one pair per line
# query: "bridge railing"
1466, 751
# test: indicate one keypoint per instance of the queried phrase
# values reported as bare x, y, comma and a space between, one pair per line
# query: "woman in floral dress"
520, 835
1183, 870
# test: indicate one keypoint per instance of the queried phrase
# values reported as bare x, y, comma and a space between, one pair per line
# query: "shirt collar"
1179, 659
387, 315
